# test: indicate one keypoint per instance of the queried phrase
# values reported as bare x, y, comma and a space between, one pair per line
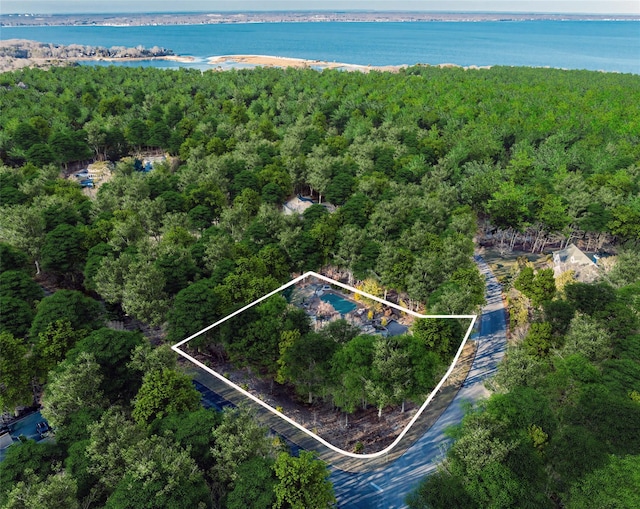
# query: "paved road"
387, 488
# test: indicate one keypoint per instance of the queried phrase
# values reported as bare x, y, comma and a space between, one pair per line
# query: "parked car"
86, 183
82, 174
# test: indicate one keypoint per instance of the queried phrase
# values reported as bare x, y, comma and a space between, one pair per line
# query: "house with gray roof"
572, 258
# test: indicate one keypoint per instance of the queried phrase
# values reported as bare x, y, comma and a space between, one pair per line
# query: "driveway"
387, 488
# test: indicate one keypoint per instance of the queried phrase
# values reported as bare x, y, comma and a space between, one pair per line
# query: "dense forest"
561, 429
406, 168
338, 363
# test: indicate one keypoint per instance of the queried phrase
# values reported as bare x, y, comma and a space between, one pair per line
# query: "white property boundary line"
473, 318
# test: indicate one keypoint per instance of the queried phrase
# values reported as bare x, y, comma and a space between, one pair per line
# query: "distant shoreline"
216, 63
209, 18
20, 53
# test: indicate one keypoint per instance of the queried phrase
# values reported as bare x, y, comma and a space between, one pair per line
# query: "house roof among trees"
572, 258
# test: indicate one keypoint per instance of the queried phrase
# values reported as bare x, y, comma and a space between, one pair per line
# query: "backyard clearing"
504, 266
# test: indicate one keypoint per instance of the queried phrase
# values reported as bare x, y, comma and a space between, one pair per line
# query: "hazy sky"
100, 6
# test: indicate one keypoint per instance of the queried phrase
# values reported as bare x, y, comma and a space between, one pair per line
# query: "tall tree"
63, 251
16, 373
194, 308
509, 205
112, 350
57, 491
305, 364
16, 316
12, 258
82, 312
193, 431
237, 439
441, 336
254, 486
350, 370
17, 284
143, 294
110, 438
390, 381
612, 485
54, 343
23, 226
76, 385
303, 482
164, 392
158, 474
24, 460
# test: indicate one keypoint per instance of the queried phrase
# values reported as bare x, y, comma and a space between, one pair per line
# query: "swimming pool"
341, 305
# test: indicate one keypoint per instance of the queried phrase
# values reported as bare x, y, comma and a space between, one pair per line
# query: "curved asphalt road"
387, 488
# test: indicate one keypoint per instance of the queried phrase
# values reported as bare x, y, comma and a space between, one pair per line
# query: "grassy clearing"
505, 266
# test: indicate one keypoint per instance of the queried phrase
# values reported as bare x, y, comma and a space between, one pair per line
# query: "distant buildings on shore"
204, 18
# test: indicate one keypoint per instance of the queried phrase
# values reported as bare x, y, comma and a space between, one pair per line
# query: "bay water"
594, 45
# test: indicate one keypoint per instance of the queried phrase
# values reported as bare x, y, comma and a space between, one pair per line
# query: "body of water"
340, 304
594, 45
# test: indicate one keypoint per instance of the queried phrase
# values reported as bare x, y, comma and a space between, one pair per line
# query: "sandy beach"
225, 61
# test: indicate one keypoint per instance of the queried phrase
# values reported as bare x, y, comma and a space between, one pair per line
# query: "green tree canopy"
19, 285
23, 461
164, 392
194, 308
16, 373
63, 250
254, 486
54, 343
158, 474
193, 431
350, 370
589, 298
612, 485
82, 312
303, 482
16, 316
539, 287
237, 439
74, 386
442, 336
110, 438
12, 258
112, 350
57, 491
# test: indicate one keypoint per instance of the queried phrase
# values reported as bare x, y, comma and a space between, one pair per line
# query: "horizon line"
333, 11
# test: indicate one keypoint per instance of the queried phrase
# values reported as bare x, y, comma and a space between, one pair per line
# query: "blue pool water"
342, 306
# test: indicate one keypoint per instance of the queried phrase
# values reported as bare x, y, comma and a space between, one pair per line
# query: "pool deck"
26, 427
310, 298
